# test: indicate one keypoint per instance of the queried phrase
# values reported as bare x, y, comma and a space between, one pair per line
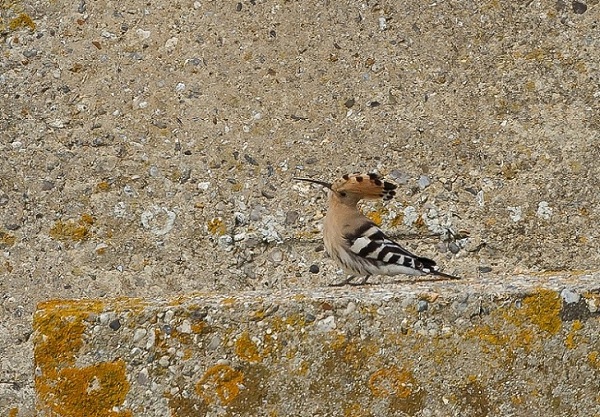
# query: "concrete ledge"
417, 349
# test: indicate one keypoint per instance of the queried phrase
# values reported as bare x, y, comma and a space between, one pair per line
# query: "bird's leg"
344, 282
362, 281
348, 281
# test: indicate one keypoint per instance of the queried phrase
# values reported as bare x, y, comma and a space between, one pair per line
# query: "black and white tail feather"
356, 243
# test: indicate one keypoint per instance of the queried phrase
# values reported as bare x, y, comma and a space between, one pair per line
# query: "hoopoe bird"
355, 242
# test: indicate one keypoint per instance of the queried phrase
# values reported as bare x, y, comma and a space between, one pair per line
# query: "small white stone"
569, 296
169, 314
185, 327
158, 220
203, 186
164, 361
544, 211
382, 23
143, 34
105, 318
327, 324
108, 35
515, 213
350, 308
276, 256
139, 335
179, 87
410, 216
171, 43
151, 340
57, 123
480, 199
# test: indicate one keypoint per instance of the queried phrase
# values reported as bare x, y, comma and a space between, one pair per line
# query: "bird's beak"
323, 183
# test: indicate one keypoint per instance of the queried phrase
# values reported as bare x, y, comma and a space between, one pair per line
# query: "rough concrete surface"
433, 350
148, 148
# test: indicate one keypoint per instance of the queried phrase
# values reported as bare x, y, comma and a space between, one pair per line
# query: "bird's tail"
429, 267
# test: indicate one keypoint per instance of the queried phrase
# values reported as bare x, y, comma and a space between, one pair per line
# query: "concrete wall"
148, 150
436, 349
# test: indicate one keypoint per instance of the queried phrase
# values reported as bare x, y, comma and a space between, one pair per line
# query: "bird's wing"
371, 244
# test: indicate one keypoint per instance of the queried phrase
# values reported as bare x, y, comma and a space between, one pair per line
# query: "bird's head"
351, 188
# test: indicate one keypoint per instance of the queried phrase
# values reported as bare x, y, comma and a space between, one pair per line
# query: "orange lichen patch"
63, 389
222, 382
22, 20
7, 240
392, 382
216, 226
572, 339
13, 412
397, 220
59, 327
93, 391
246, 349
75, 231
541, 309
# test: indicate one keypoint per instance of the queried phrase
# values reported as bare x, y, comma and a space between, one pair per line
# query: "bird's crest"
367, 186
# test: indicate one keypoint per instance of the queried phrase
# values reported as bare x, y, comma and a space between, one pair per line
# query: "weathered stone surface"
334, 352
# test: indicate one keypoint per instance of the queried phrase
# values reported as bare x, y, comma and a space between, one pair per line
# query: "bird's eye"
342, 194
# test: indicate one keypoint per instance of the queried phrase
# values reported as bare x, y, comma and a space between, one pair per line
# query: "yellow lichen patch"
355, 410
222, 382
22, 20
572, 339
541, 309
397, 220
487, 335
392, 381
103, 186
375, 217
7, 240
72, 230
91, 391
216, 226
228, 302
13, 412
293, 321
594, 359
420, 223
246, 349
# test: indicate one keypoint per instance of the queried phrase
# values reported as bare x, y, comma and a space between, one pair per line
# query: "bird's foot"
348, 281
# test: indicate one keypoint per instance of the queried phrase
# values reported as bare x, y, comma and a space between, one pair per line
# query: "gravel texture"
148, 148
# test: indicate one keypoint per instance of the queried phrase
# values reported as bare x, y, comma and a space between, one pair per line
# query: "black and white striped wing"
372, 245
